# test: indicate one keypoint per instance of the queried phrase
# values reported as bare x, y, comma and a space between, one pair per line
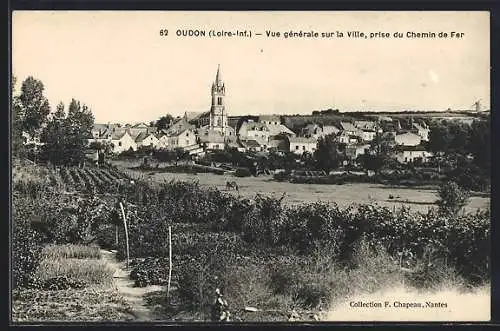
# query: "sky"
118, 64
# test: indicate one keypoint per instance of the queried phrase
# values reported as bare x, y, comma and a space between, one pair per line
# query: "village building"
354, 151
316, 131
349, 128
147, 139
407, 139
301, 145
122, 141
270, 119
211, 140
412, 154
249, 145
422, 130
344, 137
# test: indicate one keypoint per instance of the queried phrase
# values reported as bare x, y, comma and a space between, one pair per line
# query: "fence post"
169, 260
126, 232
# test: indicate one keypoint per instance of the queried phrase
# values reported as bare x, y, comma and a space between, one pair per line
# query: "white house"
348, 139
211, 140
121, 141
407, 154
407, 139
353, 151
422, 130
368, 135
349, 128
300, 145
181, 139
315, 130
147, 139
270, 119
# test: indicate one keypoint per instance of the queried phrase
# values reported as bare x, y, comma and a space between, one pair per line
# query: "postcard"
250, 166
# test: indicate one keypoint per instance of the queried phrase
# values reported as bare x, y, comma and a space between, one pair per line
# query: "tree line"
62, 133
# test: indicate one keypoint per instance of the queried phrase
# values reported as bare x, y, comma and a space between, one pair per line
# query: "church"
213, 129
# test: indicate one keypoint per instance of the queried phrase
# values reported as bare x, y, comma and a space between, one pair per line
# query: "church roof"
218, 76
211, 136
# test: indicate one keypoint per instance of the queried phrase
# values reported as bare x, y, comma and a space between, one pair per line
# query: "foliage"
242, 172
69, 305
452, 197
33, 106
71, 251
327, 154
65, 136
164, 122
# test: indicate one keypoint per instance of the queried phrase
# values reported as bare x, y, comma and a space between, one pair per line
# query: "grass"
98, 301
90, 271
89, 304
71, 251
420, 199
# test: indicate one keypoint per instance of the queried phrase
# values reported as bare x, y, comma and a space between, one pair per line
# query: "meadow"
417, 198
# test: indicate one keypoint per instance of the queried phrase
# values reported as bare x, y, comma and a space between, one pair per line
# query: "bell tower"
218, 116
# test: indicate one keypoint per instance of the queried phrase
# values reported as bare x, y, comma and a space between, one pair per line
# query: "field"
298, 257
418, 199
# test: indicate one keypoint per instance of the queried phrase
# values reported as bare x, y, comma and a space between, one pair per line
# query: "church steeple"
218, 77
218, 116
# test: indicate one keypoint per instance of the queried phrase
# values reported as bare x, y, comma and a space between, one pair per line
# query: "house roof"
365, 125
276, 129
302, 140
211, 136
119, 133
348, 126
249, 143
271, 118
141, 136
410, 148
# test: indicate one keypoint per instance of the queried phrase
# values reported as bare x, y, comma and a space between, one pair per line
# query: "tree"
164, 122
452, 197
79, 123
16, 129
66, 137
327, 155
33, 107
54, 137
479, 144
380, 152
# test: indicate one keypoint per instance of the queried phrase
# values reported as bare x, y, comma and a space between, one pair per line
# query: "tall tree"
327, 154
380, 152
34, 106
66, 137
164, 121
479, 144
54, 137
79, 125
16, 129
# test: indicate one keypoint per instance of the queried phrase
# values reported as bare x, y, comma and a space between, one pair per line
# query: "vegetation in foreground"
258, 251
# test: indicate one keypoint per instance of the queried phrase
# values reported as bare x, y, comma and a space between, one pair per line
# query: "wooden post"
116, 235
126, 232
169, 260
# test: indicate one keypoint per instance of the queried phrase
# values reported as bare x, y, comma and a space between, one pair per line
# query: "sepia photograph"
250, 166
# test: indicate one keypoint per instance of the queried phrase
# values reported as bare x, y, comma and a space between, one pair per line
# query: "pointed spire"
218, 77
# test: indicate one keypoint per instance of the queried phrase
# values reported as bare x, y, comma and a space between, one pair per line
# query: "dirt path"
133, 295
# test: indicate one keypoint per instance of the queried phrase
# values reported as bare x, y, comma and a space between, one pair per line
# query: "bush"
242, 172
452, 197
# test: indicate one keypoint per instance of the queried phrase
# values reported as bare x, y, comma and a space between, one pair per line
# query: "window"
297, 147
406, 159
303, 148
219, 101
187, 134
119, 143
